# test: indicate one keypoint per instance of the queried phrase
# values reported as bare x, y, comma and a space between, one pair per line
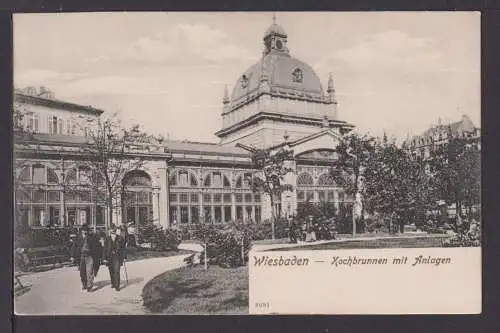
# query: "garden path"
58, 291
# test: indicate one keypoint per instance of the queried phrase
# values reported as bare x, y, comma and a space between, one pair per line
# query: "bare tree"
110, 153
271, 179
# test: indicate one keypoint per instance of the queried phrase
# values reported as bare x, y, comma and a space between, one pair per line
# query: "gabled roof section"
310, 137
316, 135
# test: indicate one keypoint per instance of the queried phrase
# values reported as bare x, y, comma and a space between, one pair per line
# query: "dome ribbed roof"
285, 75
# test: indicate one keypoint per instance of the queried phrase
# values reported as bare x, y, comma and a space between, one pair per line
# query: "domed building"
278, 101
276, 96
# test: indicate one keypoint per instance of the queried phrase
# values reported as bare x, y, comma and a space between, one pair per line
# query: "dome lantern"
275, 39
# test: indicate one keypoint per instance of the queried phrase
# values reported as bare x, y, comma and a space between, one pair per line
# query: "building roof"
52, 138
22, 97
203, 148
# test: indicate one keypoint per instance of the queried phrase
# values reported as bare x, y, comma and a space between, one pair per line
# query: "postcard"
247, 163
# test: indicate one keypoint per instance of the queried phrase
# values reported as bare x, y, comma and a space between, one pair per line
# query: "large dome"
277, 73
284, 74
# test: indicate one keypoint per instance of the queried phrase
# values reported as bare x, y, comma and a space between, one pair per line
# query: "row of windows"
56, 125
41, 174
216, 197
38, 174
306, 179
39, 216
328, 196
41, 196
213, 214
215, 179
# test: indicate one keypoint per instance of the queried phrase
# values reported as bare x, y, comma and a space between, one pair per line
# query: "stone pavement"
58, 291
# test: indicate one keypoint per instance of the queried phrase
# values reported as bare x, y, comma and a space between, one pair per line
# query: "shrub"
159, 238
45, 237
464, 239
227, 247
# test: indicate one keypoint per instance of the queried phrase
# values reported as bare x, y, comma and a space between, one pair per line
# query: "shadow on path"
101, 284
125, 284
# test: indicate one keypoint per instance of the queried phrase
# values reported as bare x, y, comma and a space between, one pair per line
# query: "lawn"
192, 290
399, 242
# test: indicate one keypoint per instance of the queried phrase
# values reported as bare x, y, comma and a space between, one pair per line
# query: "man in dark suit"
114, 255
84, 251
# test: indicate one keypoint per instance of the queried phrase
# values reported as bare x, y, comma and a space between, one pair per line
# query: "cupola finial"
330, 83
274, 17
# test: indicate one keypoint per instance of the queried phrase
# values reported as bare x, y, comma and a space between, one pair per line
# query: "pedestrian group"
91, 250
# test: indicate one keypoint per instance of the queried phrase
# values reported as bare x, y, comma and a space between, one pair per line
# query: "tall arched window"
137, 197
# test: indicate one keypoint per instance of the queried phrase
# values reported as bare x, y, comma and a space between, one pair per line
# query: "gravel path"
58, 292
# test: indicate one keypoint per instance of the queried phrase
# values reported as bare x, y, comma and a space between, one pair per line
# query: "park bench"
49, 256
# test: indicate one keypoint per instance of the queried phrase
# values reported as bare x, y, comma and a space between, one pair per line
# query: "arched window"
227, 183
137, 197
173, 179
183, 178
52, 177
137, 178
193, 181
71, 176
38, 174
326, 180
304, 179
239, 182
208, 181
25, 175
217, 179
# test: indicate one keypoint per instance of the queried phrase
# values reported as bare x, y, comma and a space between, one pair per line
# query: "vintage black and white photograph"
157, 155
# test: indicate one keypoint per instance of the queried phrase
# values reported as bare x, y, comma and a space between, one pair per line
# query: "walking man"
114, 255
84, 251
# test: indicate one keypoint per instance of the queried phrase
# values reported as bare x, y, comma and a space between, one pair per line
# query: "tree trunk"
110, 211
273, 216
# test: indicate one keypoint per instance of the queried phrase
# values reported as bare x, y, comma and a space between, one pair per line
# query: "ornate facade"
277, 102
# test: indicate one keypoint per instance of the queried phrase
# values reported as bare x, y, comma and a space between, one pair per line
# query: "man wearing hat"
84, 252
114, 255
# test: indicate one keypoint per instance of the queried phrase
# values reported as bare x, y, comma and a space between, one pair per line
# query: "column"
62, 214
156, 198
164, 200
253, 213
233, 207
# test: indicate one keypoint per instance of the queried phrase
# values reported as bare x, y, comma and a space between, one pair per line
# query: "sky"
394, 72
